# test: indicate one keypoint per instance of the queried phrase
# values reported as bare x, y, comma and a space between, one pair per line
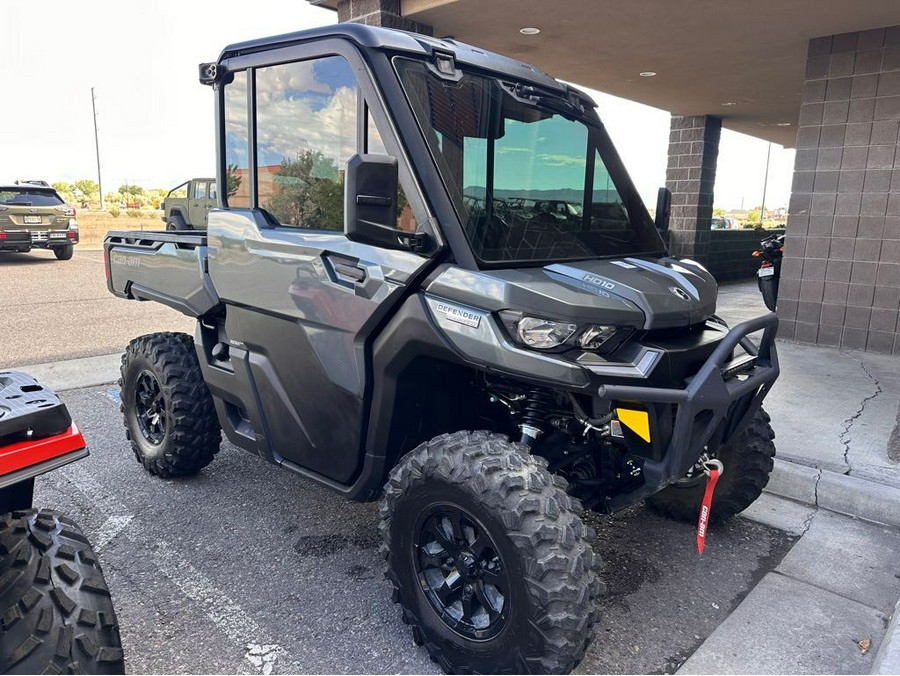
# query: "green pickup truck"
187, 206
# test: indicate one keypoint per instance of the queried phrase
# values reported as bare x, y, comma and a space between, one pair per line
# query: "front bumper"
713, 400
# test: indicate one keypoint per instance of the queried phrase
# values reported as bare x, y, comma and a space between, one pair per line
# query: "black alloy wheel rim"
150, 408
461, 572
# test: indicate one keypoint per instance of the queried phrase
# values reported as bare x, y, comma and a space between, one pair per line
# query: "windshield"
528, 177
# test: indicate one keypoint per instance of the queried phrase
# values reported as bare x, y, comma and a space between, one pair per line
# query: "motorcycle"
771, 250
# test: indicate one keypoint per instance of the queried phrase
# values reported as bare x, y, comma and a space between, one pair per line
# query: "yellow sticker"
637, 421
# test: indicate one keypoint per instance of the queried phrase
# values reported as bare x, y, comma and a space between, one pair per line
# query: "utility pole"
97, 146
762, 208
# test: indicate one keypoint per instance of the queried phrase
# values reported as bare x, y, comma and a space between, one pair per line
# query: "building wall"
690, 175
730, 253
841, 275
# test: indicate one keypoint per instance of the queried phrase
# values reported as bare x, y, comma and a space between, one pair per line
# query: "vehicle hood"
647, 293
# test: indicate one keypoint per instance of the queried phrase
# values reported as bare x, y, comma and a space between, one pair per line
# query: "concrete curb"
71, 374
860, 498
887, 659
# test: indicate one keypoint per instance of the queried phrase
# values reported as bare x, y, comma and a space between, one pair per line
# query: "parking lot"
246, 568
56, 310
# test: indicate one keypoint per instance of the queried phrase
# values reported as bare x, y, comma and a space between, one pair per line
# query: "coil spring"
537, 409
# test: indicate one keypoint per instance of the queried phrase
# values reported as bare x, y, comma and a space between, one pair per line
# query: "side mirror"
663, 208
370, 201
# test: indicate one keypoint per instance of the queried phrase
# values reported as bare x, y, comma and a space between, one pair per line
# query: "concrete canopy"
705, 53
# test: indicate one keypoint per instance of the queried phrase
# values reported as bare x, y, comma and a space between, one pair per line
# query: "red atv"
56, 614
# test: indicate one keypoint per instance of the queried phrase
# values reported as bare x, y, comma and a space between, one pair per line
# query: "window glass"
306, 130
212, 190
29, 197
200, 191
237, 143
527, 171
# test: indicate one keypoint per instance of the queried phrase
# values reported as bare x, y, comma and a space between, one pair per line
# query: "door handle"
349, 273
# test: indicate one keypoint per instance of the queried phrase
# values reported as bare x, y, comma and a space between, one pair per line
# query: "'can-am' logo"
680, 293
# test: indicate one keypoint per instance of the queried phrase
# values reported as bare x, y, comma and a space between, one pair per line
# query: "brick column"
384, 13
691, 173
840, 281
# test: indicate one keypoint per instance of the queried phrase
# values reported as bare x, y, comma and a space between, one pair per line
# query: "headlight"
543, 334
546, 334
595, 336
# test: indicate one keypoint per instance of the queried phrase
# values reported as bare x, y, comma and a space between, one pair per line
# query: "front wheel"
748, 461
64, 253
488, 557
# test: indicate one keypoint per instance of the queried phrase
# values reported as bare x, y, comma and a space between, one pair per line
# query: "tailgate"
168, 267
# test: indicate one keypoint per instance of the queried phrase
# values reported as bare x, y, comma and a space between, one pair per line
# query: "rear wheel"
768, 287
56, 614
748, 461
170, 417
64, 253
488, 557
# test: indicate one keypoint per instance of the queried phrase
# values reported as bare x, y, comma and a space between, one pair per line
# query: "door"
303, 299
198, 207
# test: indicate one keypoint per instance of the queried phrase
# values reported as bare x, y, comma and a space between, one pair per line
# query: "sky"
156, 122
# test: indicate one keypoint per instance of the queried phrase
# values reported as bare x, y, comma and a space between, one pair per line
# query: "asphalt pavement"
56, 310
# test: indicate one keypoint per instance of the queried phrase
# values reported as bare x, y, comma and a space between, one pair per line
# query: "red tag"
705, 506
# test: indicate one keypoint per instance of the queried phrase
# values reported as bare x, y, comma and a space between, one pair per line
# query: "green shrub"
134, 213
114, 211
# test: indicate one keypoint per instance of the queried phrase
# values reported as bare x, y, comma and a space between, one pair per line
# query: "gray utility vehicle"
488, 369
187, 206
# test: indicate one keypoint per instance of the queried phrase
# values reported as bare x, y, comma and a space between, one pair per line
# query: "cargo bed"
167, 267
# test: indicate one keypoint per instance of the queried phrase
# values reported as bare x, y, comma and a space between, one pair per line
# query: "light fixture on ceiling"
647, 73
529, 30
728, 103
782, 124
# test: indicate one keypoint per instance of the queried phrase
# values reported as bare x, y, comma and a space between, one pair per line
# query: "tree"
753, 217
309, 192
718, 212
233, 180
87, 187
62, 186
131, 189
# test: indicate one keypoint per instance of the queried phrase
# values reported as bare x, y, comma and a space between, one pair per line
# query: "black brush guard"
728, 402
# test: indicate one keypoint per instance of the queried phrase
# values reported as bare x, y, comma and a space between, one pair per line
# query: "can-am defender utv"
429, 268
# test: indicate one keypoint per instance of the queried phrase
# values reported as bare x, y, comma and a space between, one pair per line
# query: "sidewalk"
826, 607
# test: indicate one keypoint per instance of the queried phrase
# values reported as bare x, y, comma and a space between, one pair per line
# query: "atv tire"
769, 289
747, 462
56, 614
64, 253
169, 415
510, 522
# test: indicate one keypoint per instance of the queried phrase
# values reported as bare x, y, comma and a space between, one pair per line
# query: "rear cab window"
30, 197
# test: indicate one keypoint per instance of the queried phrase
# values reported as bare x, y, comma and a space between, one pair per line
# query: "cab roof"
397, 41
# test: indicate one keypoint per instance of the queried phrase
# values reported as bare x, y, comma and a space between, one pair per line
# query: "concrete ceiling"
705, 52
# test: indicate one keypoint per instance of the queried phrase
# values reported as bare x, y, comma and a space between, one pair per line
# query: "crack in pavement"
848, 423
808, 522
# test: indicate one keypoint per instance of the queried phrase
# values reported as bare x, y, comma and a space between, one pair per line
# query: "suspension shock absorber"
537, 408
